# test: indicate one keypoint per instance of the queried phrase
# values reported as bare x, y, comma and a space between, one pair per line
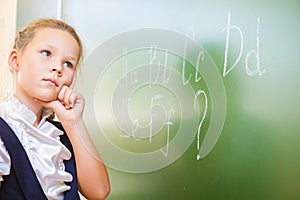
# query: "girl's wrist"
71, 124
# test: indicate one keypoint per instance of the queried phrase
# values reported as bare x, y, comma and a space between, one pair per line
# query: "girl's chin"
48, 98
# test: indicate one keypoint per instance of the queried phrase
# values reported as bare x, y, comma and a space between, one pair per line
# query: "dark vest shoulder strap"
20, 164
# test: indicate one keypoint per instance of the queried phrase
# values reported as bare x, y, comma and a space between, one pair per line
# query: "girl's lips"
52, 81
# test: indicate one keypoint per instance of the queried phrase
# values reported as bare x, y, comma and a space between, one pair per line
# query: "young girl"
41, 158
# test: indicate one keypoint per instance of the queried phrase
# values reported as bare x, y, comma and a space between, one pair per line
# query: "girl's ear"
13, 60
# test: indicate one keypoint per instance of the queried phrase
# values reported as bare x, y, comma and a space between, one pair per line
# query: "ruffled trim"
26, 113
4, 161
42, 145
21, 109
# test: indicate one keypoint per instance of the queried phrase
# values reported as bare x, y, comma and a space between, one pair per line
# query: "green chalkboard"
191, 99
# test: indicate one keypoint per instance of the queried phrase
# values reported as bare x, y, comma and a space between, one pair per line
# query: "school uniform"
40, 159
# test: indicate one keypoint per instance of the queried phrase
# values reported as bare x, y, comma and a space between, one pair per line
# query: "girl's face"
45, 65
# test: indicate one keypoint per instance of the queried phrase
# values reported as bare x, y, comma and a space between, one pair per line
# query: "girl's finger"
68, 98
61, 94
64, 96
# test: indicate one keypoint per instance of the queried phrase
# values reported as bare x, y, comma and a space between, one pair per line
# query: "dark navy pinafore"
22, 182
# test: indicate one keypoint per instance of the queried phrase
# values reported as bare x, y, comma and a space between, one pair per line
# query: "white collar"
25, 112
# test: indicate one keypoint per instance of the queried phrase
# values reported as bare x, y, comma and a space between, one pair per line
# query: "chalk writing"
151, 115
168, 123
199, 58
228, 28
203, 117
256, 52
155, 61
160, 73
184, 82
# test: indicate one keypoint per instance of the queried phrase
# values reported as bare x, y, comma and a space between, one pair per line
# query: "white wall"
8, 10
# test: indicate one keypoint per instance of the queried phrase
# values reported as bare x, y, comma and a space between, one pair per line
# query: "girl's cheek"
68, 77
69, 81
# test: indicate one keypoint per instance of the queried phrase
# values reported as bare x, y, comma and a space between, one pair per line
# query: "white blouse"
42, 145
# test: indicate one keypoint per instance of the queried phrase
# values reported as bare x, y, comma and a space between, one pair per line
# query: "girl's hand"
68, 106
92, 176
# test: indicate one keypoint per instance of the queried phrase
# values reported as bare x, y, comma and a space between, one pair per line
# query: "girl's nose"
57, 69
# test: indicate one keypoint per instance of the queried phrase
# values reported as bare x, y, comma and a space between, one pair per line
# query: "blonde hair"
25, 35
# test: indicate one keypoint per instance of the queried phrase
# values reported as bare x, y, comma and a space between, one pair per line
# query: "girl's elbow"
104, 191
99, 193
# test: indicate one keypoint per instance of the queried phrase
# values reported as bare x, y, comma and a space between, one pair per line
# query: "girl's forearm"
92, 174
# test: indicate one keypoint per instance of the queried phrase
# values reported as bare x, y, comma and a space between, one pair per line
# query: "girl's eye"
46, 53
69, 65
